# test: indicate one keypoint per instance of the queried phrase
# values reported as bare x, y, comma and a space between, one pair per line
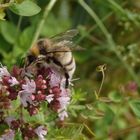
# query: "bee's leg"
67, 79
66, 73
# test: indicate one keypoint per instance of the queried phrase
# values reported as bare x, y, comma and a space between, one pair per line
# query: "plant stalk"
42, 21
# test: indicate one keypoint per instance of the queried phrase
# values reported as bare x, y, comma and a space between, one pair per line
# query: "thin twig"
89, 130
103, 67
42, 21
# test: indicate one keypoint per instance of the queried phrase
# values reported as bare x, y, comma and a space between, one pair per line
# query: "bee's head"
38, 51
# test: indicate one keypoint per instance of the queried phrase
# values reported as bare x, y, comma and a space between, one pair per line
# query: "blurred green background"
110, 32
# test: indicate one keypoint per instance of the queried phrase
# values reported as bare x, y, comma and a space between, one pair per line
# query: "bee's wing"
77, 48
68, 44
68, 35
62, 45
63, 40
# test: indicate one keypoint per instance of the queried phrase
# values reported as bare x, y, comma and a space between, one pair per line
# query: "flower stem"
21, 114
42, 21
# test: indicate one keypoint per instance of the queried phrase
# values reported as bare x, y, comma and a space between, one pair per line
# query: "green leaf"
4, 45
108, 112
53, 29
26, 8
23, 41
77, 107
8, 31
73, 131
2, 127
135, 106
115, 96
25, 38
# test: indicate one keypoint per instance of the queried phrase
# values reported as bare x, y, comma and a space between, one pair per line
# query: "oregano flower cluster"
47, 85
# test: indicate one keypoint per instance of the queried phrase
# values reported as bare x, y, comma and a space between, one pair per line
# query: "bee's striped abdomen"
70, 65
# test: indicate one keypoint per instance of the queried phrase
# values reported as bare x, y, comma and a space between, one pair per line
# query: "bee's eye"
31, 58
42, 51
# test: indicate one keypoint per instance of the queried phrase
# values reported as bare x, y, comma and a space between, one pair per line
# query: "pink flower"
29, 87
62, 114
49, 98
26, 93
9, 135
13, 81
41, 132
64, 92
41, 82
64, 101
132, 86
63, 82
55, 79
4, 72
25, 98
9, 119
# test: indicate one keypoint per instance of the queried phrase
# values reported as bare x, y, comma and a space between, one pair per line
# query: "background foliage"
109, 30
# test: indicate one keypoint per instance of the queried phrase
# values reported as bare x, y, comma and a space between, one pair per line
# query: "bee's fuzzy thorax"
34, 51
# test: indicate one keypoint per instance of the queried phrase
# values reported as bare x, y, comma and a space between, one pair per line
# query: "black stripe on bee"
31, 58
69, 63
56, 62
41, 46
70, 69
67, 80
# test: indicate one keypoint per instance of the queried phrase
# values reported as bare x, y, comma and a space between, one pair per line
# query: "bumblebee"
57, 50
